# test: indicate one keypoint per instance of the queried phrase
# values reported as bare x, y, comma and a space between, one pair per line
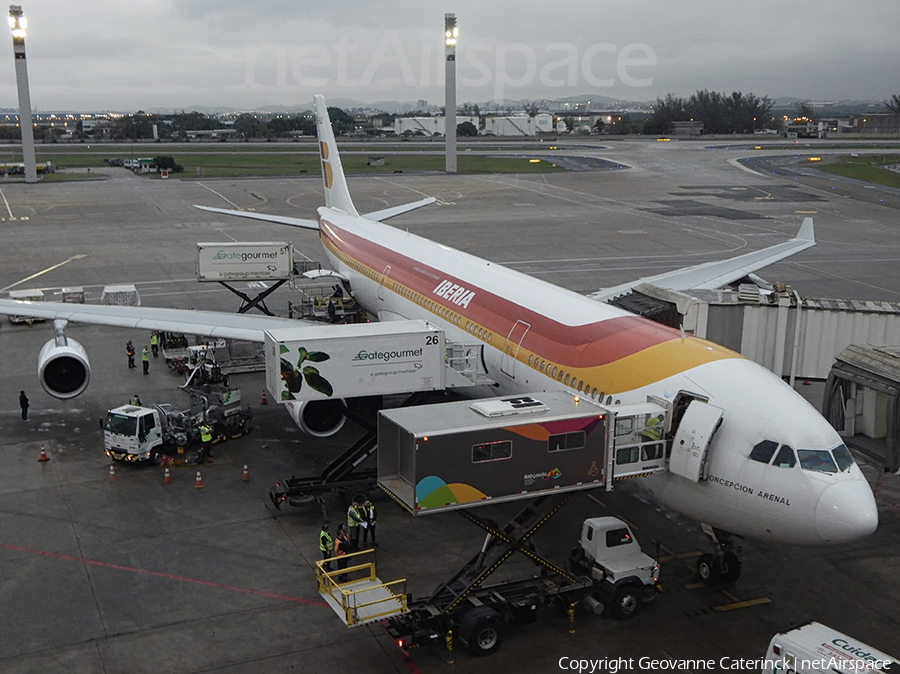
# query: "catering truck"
814, 648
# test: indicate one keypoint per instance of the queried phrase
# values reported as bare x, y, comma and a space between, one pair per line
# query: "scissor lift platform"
362, 597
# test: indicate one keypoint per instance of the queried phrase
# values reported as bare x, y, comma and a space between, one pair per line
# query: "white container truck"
814, 648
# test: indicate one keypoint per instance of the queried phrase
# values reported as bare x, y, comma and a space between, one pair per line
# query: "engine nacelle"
63, 368
319, 418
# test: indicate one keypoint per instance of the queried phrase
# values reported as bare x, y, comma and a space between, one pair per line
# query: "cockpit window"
843, 457
785, 458
818, 460
763, 451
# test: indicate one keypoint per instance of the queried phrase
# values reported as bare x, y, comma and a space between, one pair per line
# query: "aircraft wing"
279, 219
386, 213
711, 275
205, 323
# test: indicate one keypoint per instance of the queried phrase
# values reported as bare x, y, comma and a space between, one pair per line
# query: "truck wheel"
705, 568
729, 567
626, 602
482, 630
154, 457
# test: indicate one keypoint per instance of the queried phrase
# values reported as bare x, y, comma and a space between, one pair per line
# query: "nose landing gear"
723, 565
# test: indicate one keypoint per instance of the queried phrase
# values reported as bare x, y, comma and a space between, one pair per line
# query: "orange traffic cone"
246, 474
112, 472
44, 456
265, 400
198, 483
167, 478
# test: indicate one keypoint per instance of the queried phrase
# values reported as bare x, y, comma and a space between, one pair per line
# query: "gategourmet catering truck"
814, 648
137, 433
462, 456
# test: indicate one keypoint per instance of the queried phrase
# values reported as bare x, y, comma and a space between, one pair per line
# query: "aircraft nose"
846, 511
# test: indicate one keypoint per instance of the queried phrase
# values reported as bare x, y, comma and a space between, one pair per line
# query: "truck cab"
132, 433
623, 575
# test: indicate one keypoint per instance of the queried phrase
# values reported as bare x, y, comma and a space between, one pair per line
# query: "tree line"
719, 112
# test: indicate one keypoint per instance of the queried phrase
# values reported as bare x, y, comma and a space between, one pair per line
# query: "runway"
135, 576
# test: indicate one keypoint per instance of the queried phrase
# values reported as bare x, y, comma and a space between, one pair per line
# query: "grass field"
297, 159
868, 168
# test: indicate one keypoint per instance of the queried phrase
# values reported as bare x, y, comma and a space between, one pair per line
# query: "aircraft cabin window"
554, 372
568, 377
609, 400
785, 458
530, 359
764, 451
818, 460
843, 457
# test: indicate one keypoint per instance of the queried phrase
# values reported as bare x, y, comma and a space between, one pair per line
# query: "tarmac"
135, 576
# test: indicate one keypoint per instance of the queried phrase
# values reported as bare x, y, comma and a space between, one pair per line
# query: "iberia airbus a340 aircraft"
774, 469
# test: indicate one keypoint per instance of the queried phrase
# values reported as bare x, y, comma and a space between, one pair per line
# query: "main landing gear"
723, 564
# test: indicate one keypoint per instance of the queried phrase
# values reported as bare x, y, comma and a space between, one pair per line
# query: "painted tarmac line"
160, 574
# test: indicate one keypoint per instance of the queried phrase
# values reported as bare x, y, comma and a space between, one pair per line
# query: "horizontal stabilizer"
386, 213
265, 217
712, 275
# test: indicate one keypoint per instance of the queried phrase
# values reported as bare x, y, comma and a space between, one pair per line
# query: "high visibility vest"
370, 513
152, 340
135, 400
205, 434
144, 355
354, 517
326, 543
653, 431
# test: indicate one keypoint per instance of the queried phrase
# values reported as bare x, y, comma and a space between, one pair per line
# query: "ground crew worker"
23, 403
341, 549
653, 431
369, 515
205, 440
354, 519
129, 351
136, 400
145, 359
154, 343
326, 546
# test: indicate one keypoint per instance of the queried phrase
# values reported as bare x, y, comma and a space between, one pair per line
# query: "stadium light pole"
451, 32
17, 24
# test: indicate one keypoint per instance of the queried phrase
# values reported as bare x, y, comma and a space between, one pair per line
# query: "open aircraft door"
697, 427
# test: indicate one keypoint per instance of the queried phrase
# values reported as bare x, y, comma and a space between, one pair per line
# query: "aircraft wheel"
706, 568
729, 567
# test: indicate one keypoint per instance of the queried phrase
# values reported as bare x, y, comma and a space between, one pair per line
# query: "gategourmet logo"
387, 356
245, 256
556, 473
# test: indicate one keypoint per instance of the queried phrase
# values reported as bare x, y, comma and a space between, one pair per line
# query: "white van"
812, 648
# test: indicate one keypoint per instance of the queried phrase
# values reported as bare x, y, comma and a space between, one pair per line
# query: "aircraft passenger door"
384, 278
691, 442
511, 348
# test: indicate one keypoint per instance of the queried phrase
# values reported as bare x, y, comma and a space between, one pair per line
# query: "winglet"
337, 195
807, 231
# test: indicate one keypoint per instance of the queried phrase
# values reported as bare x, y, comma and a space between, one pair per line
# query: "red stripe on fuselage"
587, 345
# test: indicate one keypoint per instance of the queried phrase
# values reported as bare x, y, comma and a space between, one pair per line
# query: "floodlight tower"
451, 32
17, 24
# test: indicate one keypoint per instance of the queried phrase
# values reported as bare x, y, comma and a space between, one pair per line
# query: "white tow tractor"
136, 433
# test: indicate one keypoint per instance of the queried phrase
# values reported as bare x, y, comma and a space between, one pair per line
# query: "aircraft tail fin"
337, 195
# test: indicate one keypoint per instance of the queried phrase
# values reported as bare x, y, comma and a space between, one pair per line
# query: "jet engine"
63, 366
319, 418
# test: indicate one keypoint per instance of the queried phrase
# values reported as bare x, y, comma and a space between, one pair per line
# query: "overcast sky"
137, 54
